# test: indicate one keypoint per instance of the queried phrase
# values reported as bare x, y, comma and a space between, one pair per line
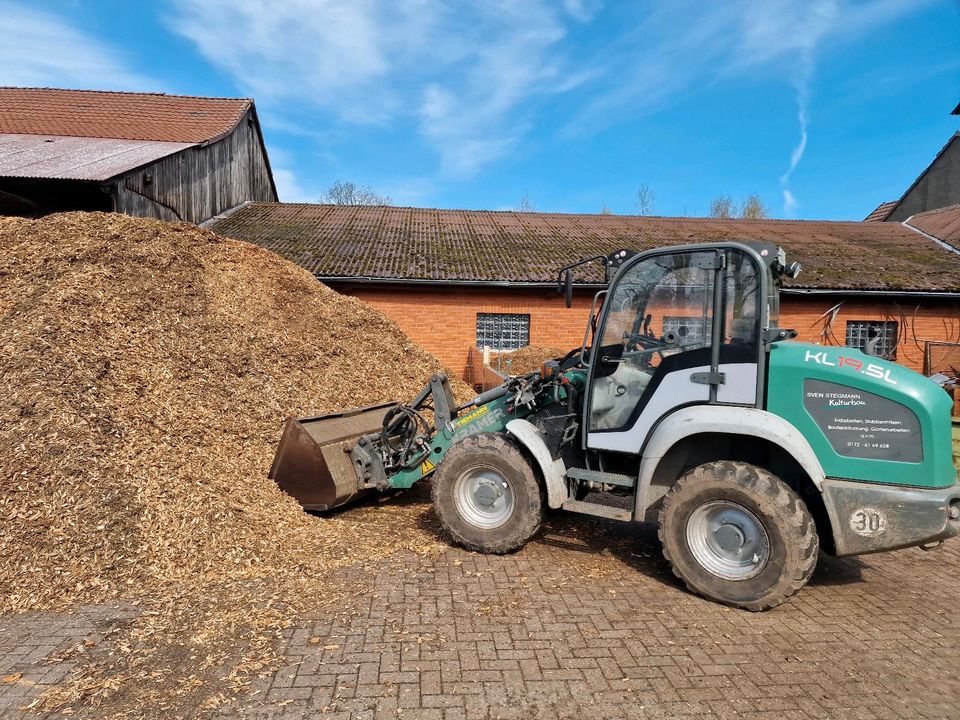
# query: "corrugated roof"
419, 243
943, 224
122, 115
77, 158
881, 212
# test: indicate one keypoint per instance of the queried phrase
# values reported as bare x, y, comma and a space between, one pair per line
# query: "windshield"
659, 318
661, 306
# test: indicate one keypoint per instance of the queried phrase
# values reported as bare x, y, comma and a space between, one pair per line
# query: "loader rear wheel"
487, 495
737, 534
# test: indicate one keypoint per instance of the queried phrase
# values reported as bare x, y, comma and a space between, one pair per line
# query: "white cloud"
581, 10
324, 51
42, 50
477, 115
462, 74
289, 186
790, 203
473, 79
687, 43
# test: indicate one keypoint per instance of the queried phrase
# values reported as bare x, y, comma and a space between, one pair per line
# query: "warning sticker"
426, 467
860, 424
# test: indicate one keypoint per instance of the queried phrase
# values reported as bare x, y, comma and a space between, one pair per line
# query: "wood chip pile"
145, 374
525, 360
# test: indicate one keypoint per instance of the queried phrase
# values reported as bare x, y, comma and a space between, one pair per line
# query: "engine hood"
866, 418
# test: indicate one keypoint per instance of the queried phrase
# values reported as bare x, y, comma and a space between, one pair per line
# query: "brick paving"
31, 646
588, 622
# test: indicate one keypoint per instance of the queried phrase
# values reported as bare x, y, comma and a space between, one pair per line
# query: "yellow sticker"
479, 412
426, 467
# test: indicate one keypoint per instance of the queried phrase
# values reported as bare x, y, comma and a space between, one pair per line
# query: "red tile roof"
943, 224
467, 245
118, 115
881, 212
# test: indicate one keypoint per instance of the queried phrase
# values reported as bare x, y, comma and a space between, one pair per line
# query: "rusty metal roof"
122, 115
345, 242
943, 224
77, 158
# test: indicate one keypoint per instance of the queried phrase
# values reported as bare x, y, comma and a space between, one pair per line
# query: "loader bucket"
312, 462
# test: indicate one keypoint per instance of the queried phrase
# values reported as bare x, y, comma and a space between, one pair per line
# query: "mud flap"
313, 463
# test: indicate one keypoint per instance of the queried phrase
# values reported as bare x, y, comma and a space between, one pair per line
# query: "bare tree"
645, 198
753, 208
526, 204
347, 193
606, 211
722, 207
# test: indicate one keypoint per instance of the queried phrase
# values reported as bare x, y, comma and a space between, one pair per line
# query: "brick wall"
443, 320
918, 321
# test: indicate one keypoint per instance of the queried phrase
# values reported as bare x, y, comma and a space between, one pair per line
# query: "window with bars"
874, 337
503, 331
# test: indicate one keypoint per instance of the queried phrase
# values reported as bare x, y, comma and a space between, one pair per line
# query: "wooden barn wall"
200, 182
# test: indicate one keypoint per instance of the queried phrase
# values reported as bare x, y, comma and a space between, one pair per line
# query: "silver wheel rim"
728, 540
484, 497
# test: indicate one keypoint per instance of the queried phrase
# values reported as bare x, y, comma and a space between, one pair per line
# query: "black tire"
496, 452
791, 548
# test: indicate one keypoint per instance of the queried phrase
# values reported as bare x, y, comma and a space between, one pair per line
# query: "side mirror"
568, 288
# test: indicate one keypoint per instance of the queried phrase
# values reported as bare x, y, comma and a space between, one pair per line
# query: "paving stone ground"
588, 622
593, 624
31, 646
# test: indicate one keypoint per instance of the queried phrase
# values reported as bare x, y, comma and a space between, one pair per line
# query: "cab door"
657, 341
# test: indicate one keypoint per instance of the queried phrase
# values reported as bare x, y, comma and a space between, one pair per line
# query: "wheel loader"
686, 406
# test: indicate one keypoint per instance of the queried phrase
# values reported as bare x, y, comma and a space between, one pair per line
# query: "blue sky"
822, 107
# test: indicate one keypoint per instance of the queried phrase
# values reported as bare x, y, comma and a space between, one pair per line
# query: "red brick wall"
918, 321
443, 320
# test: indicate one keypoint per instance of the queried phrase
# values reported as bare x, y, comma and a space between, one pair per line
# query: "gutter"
428, 282
539, 285
938, 241
922, 294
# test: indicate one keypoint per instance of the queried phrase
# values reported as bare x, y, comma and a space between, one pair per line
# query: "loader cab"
680, 326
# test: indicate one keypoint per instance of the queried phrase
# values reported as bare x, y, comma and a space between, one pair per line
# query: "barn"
938, 186
171, 157
454, 279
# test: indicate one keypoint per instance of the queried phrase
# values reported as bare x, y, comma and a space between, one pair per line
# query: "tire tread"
766, 483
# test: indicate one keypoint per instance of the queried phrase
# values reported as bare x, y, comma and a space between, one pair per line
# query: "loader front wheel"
737, 534
487, 495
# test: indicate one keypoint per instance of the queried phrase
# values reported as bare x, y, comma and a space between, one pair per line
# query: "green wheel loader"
752, 452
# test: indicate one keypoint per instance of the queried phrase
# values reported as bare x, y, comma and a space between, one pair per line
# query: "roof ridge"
666, 218
935, 211
125, 92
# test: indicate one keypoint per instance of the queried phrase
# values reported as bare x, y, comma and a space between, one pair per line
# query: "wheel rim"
484, 497
728, 540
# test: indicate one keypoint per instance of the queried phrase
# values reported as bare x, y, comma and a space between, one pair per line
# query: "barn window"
503, 331
874, 337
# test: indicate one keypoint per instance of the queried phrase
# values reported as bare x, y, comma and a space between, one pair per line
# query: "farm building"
146, 154
455, 279
938, 186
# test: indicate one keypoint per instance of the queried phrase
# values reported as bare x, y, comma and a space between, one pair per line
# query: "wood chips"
525, 360
145, 374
